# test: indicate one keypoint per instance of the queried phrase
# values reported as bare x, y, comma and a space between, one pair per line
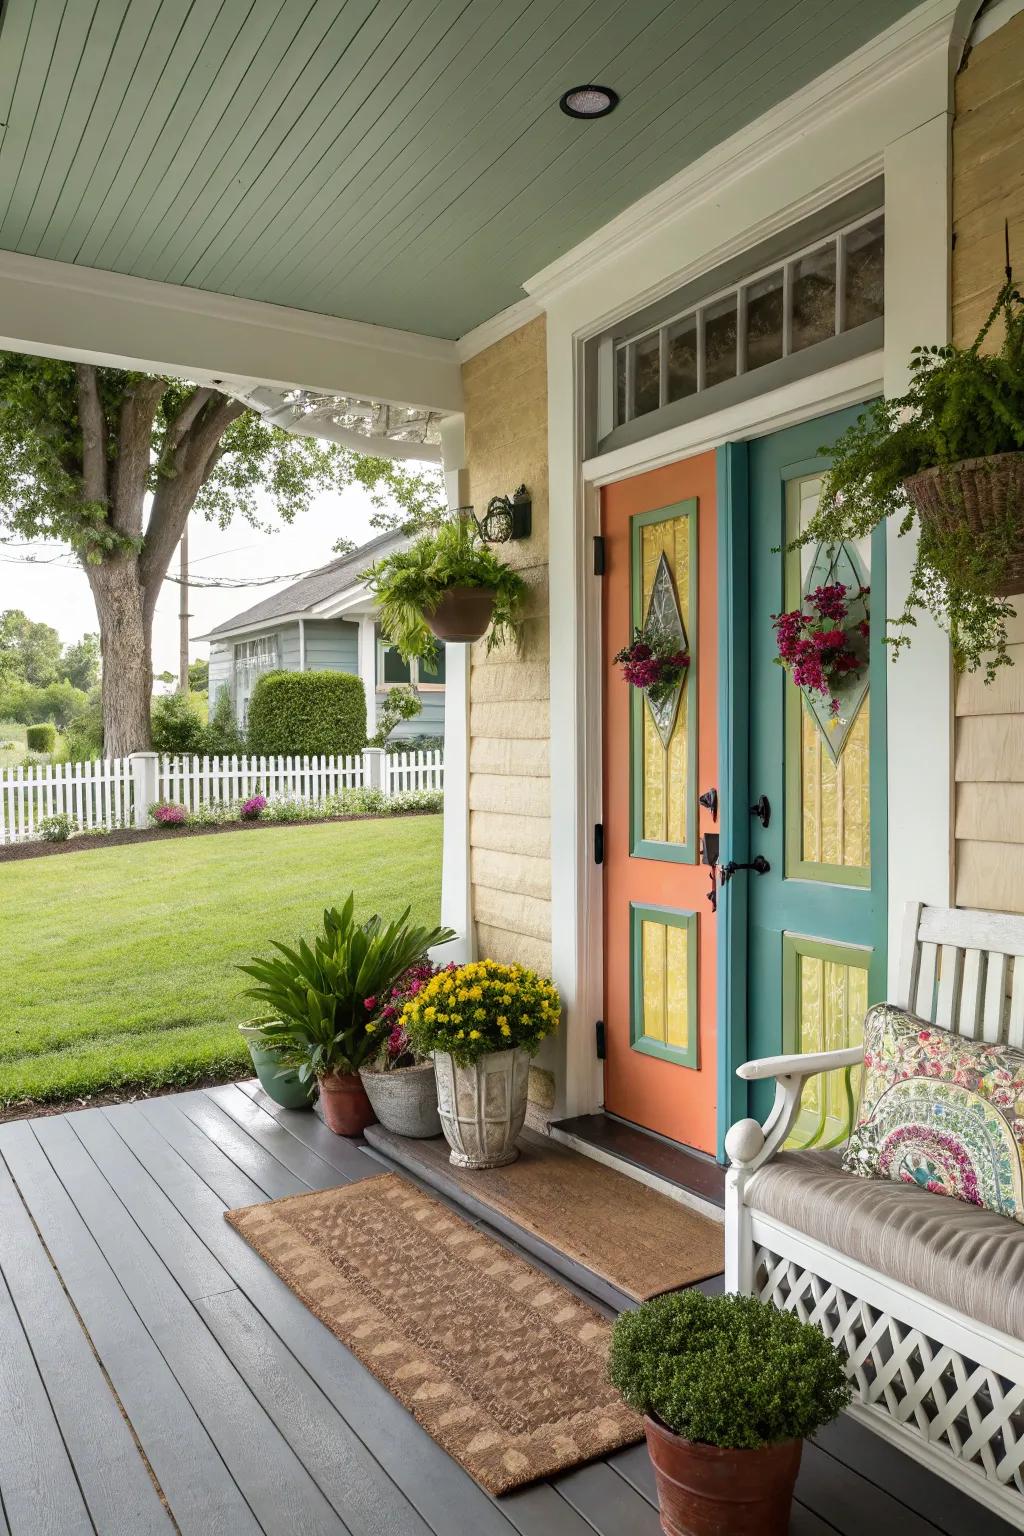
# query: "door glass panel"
663, 772
826, 998
814, 297
663, 1022
829, 822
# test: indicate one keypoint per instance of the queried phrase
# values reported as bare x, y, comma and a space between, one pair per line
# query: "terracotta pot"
463, 614
347, 1110
979, 494
705, 1490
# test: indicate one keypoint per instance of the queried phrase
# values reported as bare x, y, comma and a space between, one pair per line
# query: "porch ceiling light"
589, 101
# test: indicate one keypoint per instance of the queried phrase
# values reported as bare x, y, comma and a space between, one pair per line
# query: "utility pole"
183, 615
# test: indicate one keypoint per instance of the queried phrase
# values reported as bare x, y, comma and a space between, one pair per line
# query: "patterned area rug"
502, 1366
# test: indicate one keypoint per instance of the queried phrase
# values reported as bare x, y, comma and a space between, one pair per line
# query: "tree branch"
131, 471
181, 423
94, 434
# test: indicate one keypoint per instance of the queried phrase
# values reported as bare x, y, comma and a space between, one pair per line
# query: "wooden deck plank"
445, 1496
608, 1502
118, 1490
211, 1164
226, 1134
40, 1490
320, 1169
202, 1494
851, 1504
169, 1235
276, 1486
307, 1126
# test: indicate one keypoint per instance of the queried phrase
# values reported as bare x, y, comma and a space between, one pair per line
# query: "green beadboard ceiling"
396, 161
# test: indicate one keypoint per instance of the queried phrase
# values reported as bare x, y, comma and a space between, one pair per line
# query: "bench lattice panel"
900, 1372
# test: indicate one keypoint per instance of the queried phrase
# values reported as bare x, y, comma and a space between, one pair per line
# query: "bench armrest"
801, 1066
750, 1144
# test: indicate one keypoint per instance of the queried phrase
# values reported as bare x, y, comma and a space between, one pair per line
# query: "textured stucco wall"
988, 190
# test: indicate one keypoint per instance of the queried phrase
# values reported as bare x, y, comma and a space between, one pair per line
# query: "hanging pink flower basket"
819, 644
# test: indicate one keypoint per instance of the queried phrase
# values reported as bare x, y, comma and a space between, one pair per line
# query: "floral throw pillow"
941, 1112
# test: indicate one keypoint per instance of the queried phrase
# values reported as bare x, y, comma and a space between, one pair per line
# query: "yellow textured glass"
665, 983
677, 1012
665, 770
835, 800
832, 1001
654, 980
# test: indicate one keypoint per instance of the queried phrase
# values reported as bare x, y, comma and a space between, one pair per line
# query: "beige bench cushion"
968, 1258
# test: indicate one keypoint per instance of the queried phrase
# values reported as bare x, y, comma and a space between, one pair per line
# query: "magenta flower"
253, 808
169, 815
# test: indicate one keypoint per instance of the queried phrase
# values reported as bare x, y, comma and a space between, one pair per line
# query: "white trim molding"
57, 309
497, 328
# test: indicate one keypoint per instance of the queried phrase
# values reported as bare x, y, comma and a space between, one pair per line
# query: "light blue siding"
332, 645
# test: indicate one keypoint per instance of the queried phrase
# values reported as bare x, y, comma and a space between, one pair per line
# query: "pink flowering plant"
652, 661
167, 814
396, 1049
823, 644
253, 808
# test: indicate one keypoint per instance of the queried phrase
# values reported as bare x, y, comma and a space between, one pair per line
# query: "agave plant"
323, 997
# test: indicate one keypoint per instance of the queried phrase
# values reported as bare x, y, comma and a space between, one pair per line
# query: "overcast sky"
58, 594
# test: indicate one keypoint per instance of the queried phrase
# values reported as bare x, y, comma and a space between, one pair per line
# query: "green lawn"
117, 965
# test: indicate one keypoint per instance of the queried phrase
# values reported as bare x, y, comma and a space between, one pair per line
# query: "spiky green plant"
409, 583
324, 997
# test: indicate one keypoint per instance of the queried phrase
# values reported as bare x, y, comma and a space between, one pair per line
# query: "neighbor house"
325, 621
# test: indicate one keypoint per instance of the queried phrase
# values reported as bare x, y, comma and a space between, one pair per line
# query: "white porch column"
456, 887
368, 668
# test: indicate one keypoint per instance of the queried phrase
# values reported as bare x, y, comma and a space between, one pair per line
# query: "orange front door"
659, 533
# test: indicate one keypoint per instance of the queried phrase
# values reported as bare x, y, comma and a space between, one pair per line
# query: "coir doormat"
505, 1368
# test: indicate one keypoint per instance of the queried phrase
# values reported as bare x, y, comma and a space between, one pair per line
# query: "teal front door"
817, 917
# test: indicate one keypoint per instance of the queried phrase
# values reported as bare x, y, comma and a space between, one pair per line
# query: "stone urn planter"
280, 1083
483, 1106
463, 614
404, 1099
346, 1109
708, 1490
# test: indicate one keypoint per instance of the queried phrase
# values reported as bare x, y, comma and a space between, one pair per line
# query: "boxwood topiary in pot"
446, 584
729, 1388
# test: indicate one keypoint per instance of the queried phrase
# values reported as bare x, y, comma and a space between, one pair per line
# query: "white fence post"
144, 785
373, 768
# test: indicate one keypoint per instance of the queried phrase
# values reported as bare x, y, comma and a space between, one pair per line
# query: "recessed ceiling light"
589, 101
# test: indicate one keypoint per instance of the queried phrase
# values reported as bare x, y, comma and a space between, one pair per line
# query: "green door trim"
668, 917
641, 847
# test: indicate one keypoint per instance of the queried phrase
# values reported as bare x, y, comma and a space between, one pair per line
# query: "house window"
252, 658
392, 669
805, 300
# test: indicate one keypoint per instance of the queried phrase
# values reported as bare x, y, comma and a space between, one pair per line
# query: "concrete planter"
280, 1083
404, 1099
483, 1106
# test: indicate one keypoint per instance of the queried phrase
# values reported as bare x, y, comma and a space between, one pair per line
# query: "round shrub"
307, 714
730, 1371
57, 829
41, 738
178, 724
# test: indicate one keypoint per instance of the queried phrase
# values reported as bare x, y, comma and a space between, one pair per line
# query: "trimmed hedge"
313, 714
41, 738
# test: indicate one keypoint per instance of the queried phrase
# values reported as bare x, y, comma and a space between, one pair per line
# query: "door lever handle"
759, 865
762, 809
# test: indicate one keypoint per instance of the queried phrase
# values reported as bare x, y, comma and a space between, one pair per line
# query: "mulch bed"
11, 852
32, 1109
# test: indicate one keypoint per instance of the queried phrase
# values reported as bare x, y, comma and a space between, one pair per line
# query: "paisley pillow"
939, 1111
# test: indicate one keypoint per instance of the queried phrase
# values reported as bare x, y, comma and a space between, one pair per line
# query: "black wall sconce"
507, 517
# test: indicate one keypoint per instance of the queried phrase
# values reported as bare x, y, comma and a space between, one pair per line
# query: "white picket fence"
118, 792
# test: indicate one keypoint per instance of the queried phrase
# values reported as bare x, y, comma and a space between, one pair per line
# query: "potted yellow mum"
481, 1023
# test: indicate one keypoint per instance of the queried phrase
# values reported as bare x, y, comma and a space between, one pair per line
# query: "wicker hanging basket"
980, 493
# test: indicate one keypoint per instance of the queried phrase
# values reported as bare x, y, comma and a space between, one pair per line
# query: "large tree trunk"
125, 640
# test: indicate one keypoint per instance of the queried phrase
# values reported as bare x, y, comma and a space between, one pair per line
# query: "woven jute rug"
505, 1368
637, 1239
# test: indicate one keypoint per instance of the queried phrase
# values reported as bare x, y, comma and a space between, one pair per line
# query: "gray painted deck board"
239, 1387
117, 1489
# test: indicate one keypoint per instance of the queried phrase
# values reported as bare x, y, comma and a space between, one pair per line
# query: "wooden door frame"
728, 432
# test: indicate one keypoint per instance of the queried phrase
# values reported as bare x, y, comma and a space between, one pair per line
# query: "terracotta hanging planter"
981, 494
708, 1490
463, 614
346, 1109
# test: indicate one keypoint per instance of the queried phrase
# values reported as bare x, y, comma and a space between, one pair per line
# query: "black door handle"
762, 809
759, 865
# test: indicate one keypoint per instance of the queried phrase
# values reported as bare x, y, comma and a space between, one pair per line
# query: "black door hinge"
599, 842
598, 555
599, 1039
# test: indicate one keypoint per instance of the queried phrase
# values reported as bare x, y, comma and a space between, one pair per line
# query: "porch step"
693, 1174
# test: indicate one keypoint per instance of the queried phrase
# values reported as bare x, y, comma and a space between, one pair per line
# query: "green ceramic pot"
282, 1084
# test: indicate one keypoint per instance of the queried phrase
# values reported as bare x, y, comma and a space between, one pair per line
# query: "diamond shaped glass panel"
664, 620
828, 566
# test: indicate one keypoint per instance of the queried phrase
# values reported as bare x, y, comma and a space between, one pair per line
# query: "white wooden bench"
944, 1387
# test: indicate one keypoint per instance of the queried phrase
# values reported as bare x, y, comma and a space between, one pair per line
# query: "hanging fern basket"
985, 495
463, 614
